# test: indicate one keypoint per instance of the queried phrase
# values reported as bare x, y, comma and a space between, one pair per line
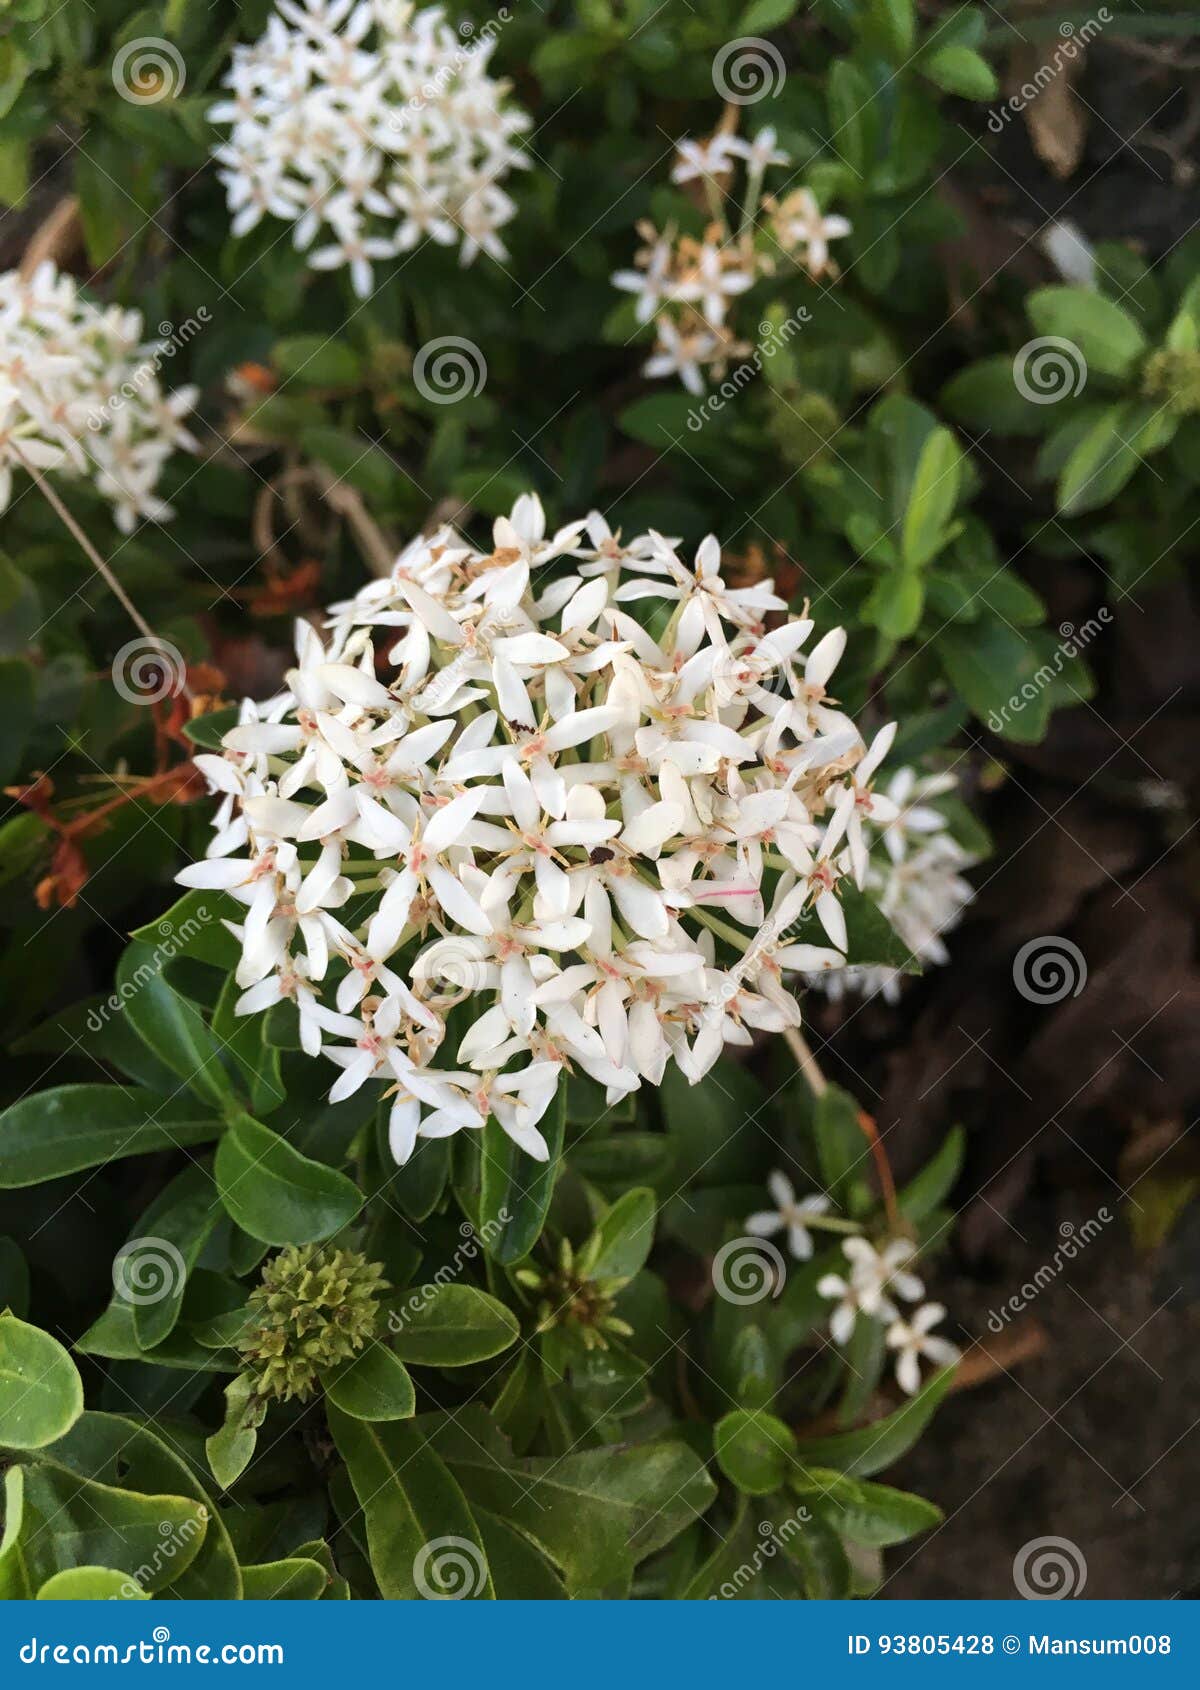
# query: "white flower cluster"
688, 286
373, 124
877, 1277
919, 887
547, 793
80, 394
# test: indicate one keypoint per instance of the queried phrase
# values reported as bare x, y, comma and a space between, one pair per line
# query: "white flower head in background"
917, 881
489, 785
790, 1214
874, 1278
80, 395
372, 127
688, 287
913, 1340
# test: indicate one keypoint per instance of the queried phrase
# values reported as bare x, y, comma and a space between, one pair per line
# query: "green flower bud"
316, 1307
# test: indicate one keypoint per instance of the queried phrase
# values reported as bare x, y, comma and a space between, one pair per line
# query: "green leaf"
875, 1515
1109, 453
230, 1448
65, 1129
618, 1247
373, 1385
761, 15
15, 1583
41, 1394
895, 21
277, 1195
895, 604
208, 731
194, 927
295, 1579
516, 1189
930, 1188
151, 1269
450, 1326
16, 713
116, 1451
841, 1144
1108, 337
985, 396
91, 1584
87, 1524
174, 1030
871, 1448
754, 1450
595, 1513
819, 1556
932, 496
317, 360
661, 419
960, 70
520, 1571
422, 1536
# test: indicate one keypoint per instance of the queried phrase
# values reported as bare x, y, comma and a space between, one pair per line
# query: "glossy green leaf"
423, 1539
373, 1385
60, 1131
622, 1239
41, 1394
871, 1448
295, 1579
450, 1326
172, 1027
116, 1451
277, 1195
1108, 337
754, 1450
231, 1447
91, 1584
